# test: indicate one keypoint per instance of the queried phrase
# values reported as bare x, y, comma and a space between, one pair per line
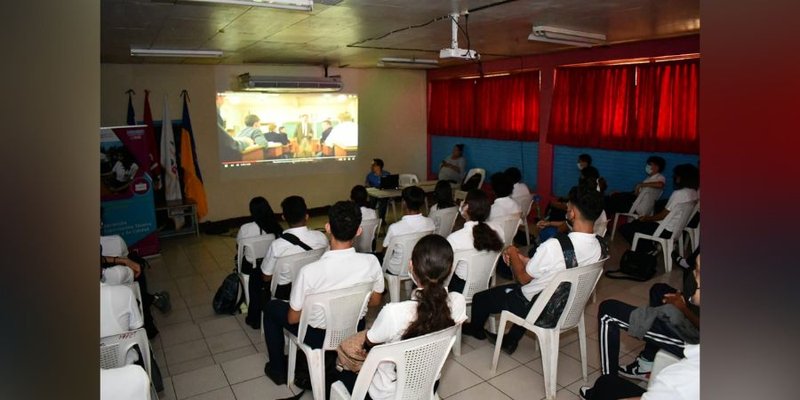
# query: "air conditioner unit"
289, 84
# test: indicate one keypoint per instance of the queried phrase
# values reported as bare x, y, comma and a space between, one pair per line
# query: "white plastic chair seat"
510, 224
292, 263
258, 245
418, 361
583, 280
369, 227
129, 382
444, 219
403, 244
114, 350
525, 204
343, 309
480, 275
680, 215
693, 233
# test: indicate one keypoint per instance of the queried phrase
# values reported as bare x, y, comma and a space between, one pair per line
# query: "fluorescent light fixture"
486, 76
176, 53
566, 36
408, 62
297, 5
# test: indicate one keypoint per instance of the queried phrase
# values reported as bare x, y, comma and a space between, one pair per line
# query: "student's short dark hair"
443, 195
344, 218
359, 195
251, 119
414, 197
501, 184
294, 209
378, 162
514, 174
585, 158
659, 162
587, 200
460, 147
689, 174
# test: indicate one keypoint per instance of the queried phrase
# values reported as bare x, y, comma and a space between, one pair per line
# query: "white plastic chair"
407, 180
693, 233
114, 350
583, 280
662, 360
291, 265
369, 227
343, 309
129, 382
510, 224
460, 194
444, 219
525, 204
480, 275
418, 362
258, 246
644, 202
678, 217
403, 244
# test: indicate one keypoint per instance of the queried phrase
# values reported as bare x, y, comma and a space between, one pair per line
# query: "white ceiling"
327, 35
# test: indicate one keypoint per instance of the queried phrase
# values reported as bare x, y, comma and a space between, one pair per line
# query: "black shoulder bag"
295, 241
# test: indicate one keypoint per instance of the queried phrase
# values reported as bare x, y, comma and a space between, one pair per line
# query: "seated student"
275, 137
453, 168
413, 221
358, 195
548, 229
338, 268
442, 196
291, 241
252, 131
521, 193
653, 185
264, 222
532, 275
431, 309
476, 234
678, 381
685, 179
373, 179
556, 209
503, 205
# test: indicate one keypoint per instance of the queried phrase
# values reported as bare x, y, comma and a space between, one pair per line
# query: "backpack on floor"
227, 299
635, 266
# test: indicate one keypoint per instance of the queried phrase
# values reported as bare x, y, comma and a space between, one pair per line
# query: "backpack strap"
604, 251
568, 249
295, 241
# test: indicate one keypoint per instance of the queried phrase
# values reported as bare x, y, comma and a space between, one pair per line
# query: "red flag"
150, 142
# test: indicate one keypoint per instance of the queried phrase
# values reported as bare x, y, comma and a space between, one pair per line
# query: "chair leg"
669, 245
527, 233
316, 370
582, 344
548, 343
292, 362
614, 226
394, 288
497, 344
492, 325
246, 283
457, 344
681, 244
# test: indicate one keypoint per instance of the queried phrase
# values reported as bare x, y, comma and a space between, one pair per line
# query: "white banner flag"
172, 186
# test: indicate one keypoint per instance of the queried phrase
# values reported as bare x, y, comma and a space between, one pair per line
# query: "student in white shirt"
533, 274
520, 193
338, 268
453, 168
503, 206
442, 196
650, 188
686, 180
431, 309
475, 235
295, 213
359, 195
264, 222
412, 222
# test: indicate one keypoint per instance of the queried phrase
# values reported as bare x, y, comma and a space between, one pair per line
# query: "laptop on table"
390, 182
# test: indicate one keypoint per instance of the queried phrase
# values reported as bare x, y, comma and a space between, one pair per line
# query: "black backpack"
227, 299
635, 266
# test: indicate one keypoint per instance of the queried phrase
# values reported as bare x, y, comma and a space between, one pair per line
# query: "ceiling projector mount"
453, 51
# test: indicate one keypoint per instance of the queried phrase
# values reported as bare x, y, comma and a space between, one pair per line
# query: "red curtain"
503, 107
667, 106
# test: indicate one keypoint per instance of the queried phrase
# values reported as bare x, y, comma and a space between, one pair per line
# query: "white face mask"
579, 166
648, 169
411, 275
463, 212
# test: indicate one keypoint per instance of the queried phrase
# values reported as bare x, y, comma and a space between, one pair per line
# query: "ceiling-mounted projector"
453, 51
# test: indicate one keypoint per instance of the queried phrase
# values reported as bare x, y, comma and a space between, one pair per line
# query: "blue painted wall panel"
492, 155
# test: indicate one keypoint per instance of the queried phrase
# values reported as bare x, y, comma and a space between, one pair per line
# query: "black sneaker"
469, 329
584, 392
278, 379
508, 346
161, 302
634, 371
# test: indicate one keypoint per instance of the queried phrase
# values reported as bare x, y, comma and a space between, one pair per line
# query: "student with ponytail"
476, 234
431, 309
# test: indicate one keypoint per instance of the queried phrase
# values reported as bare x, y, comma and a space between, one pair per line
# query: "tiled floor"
207, 356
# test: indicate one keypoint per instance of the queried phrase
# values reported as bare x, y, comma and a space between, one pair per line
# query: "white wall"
392, 126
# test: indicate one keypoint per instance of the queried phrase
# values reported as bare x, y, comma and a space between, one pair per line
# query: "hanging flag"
172, 186
192, 180
131, 118
150, 143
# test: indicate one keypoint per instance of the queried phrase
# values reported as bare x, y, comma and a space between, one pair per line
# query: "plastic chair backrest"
293, 263
444, 219
525, 202
258, 245
369, 227
114, 349
408, 180
474, 171
343, 309
645, 201
601, 224
678, 217
583, 280
510, 224
403, 244
418, 361
480, 270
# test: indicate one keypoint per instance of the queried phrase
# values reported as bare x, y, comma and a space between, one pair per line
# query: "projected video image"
268, 128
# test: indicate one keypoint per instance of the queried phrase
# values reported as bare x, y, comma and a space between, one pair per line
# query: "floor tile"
226, 356
569, 370
574, 387
220, 394
592, 352
259, 389
175, 316
191, 365
479, 361
245, 368
186, 351
520, 383
169, 392
228, 341
455, 378
180, 333
219, 326
483, 391
202, 311
527, 350
199, 381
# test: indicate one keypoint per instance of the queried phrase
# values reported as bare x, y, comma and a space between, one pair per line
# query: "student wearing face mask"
650, 189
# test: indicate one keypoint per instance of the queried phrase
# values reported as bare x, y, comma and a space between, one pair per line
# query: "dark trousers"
614, 315
456, 284
619, 202
648, 228
612, 387
494, 300
258, 291
348, 378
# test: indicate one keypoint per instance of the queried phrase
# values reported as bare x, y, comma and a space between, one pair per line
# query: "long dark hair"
432, 259
359, 195
264, 217
443, 195
478, 209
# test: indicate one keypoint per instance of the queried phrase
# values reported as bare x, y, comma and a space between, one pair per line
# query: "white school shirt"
119, 313
368, 213
679, 381
679, 196
389, 326
549, 260
336, 269
520, 189
246, 231
124, 383
502, 207
113, 246
649, 192
408, 224
281, 247
462, 239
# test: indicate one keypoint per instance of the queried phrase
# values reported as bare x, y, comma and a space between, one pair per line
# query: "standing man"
452, 168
